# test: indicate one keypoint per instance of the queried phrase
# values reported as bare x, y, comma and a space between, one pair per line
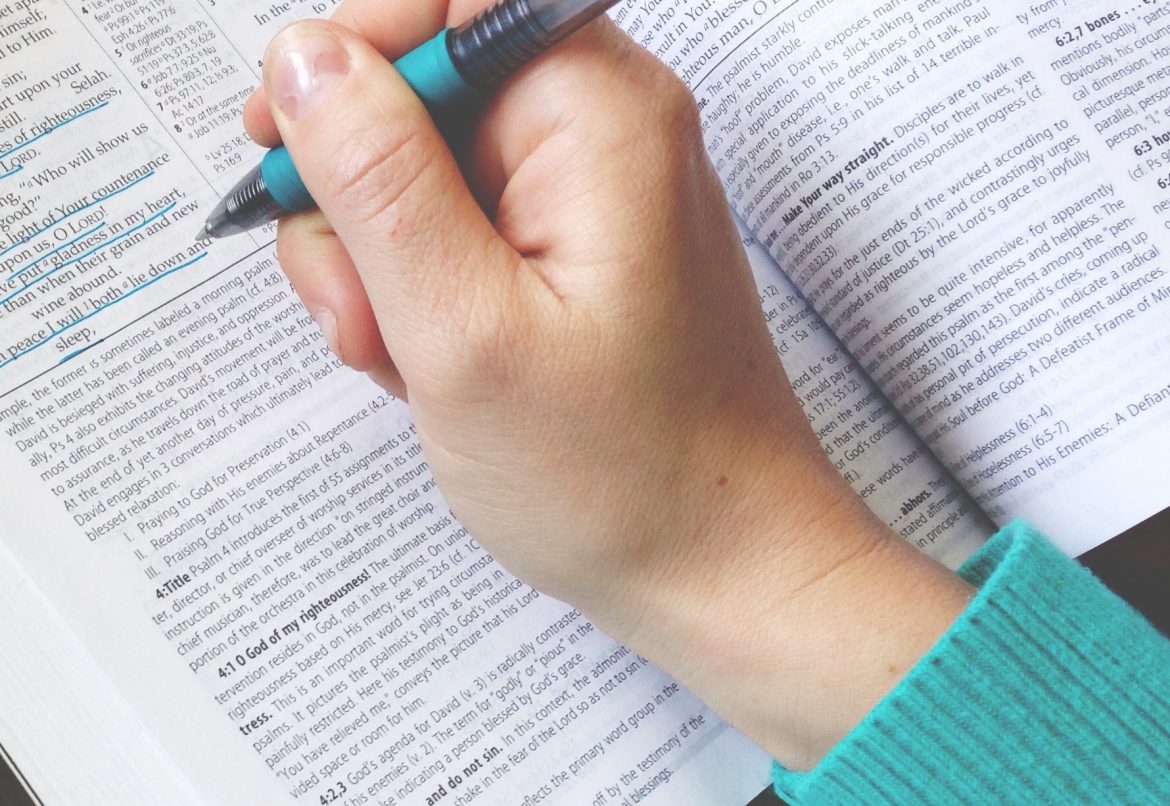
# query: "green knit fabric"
1047, 689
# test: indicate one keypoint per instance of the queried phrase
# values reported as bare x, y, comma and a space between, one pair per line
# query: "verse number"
333, 793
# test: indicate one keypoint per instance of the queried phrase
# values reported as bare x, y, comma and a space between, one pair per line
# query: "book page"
244, 535
56, 704
973, 196
878, 454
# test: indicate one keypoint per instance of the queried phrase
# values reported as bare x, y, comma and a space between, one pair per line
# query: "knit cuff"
1047, 688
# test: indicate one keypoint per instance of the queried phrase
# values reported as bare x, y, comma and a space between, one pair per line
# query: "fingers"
324, 277
389, 378
427, 257
258, 122
393, 28
310, 252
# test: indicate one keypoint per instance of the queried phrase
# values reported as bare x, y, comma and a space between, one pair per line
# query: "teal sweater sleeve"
1047, 689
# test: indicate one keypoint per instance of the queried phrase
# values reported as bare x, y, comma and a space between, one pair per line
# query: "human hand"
573, 322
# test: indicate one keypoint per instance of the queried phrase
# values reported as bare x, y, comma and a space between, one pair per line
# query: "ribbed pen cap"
1047, 689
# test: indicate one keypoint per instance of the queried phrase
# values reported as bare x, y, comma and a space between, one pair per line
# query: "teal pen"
450, 73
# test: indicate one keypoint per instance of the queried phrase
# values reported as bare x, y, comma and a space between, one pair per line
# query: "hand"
573, 322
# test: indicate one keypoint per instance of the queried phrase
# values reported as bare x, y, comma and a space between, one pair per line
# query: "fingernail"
309, 64
328, 325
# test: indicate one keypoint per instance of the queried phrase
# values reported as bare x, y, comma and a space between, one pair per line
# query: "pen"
449, 72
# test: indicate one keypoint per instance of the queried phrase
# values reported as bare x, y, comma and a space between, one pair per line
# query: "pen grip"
494, 44
430, 73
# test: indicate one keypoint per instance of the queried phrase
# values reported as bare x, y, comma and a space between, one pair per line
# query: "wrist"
793, 611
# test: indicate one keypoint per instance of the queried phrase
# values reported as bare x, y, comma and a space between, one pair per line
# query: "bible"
226, 575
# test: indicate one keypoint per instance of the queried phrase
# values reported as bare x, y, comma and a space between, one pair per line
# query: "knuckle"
680, 111
375, 168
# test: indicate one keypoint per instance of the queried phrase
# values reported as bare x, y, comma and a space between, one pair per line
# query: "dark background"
1135, 564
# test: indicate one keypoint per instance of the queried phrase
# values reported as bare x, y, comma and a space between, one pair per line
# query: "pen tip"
204, 234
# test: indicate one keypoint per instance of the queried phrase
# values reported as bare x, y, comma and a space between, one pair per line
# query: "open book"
226, 575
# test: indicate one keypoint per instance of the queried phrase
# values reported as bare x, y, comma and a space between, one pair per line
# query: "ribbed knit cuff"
1047, 689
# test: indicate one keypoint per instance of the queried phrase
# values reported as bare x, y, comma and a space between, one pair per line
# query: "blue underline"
52, 129
57, 221
90, 251
98, 310
15, 170
76, 353
55, 251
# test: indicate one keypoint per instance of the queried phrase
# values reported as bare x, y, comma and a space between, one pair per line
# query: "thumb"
386, 181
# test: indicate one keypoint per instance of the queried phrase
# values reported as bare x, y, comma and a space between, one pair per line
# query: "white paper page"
244, 536
59, 712
974, 196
